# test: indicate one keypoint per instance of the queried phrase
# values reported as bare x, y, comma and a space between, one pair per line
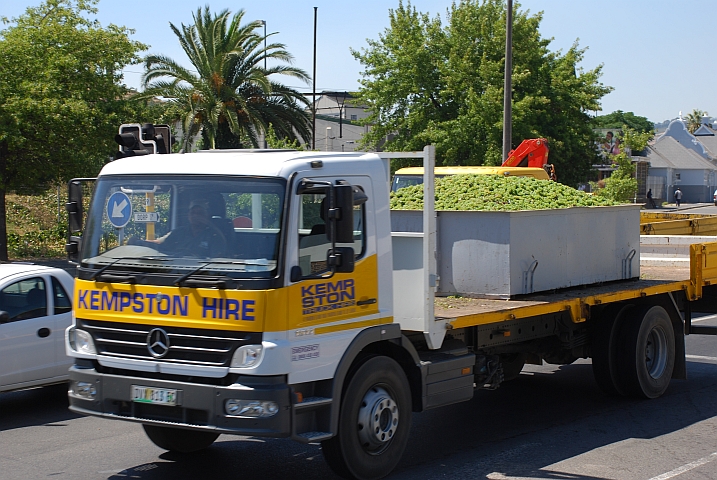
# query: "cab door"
27, 338
327, 310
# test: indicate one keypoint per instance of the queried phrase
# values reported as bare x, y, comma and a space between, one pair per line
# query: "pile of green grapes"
496, 193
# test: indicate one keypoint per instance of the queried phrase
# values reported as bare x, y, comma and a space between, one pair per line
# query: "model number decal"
304, 353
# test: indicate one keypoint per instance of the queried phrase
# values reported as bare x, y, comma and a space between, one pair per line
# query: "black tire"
604, 344
374, 421
178, 439
512, 365
646, 353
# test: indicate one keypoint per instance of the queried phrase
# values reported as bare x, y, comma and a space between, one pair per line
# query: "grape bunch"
496, 193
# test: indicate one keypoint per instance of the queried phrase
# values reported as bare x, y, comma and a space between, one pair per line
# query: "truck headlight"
81, 342
247, 356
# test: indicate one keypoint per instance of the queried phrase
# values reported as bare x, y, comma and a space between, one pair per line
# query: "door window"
24, 299
62, 300
314, 244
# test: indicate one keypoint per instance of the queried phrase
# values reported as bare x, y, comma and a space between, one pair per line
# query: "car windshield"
218, 225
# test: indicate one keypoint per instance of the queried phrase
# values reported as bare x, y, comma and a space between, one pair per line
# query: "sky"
660, 56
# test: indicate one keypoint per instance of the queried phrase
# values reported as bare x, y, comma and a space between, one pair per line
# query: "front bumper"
201, 406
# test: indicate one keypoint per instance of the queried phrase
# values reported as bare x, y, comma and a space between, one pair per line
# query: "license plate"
146, 217
156, 396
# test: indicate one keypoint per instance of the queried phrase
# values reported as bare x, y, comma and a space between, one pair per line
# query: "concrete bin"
503, 254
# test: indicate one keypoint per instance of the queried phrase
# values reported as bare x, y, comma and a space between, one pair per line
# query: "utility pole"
508, 84
264, 23
313, 105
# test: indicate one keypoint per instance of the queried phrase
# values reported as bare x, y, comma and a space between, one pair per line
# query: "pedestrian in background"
678, 197
650, 201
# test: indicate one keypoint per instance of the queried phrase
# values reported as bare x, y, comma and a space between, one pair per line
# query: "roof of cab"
269, 163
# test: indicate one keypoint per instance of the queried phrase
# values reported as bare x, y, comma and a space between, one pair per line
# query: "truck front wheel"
374, 421
178, 439
646, 353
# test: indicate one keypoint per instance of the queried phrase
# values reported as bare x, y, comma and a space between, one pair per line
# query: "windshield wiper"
101, 270
219, 281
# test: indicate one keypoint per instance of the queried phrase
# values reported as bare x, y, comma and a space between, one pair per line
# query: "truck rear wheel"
604, 342
374, 421
512, 365
646, 353
178, 439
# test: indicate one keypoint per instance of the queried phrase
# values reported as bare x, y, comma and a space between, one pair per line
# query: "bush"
36, 228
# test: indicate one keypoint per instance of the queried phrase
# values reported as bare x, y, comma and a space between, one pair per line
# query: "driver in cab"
199, 238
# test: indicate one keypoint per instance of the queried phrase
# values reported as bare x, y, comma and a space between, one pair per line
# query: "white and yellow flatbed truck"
292, 327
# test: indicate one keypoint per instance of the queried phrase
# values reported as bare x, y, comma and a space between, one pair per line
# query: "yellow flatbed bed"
465, 312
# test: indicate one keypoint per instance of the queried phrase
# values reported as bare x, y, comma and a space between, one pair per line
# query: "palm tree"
694, 120
231, 98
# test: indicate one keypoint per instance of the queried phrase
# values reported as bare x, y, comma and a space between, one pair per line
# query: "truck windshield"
193, 224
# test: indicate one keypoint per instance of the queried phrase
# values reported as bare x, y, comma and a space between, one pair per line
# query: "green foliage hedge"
496, 193
34, 229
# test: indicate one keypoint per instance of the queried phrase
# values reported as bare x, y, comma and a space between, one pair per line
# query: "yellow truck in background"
312, 321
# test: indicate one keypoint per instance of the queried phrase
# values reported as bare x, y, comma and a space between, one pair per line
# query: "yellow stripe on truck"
171, 306
307, 303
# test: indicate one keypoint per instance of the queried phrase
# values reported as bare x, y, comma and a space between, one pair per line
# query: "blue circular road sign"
119, 209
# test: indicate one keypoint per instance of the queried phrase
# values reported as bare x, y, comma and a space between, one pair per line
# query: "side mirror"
341, 259
295, 275
73, 247
342, 214
74, 205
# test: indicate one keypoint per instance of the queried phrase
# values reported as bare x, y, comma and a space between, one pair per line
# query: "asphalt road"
550, 423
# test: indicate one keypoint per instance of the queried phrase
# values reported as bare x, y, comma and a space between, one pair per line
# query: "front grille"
186, 345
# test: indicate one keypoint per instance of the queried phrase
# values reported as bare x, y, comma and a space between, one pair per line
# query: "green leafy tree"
618, 118
231, 97
61, 96
621, 186
694, 120
426, 82
274, 142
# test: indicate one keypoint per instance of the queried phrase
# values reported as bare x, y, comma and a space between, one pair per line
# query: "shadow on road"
38, 406
519, 430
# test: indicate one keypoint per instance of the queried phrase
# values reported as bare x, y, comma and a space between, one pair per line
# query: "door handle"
43, 332
369, 301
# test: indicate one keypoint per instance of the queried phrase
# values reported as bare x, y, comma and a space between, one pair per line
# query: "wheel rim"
377, 420
656, 353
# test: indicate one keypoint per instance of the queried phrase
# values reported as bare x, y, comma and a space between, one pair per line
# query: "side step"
311, 414
313, 402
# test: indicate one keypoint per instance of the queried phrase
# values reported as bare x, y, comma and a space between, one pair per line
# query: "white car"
35, 310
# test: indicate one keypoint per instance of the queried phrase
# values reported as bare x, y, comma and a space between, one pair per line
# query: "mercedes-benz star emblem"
158, 342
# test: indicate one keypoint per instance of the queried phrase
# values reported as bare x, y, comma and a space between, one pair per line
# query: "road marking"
706, 317
686, 468
701, 357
